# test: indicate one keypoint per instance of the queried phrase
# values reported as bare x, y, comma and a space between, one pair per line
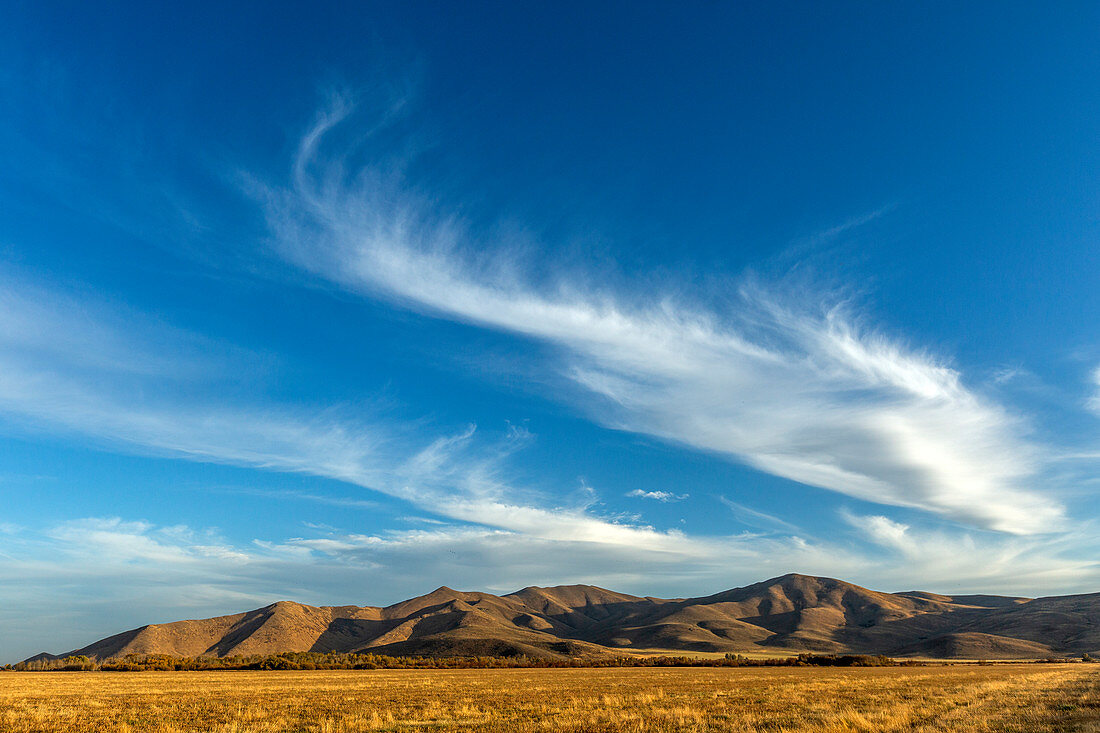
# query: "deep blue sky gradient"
934, 166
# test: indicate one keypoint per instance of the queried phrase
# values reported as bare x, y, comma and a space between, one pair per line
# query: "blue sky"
339, 304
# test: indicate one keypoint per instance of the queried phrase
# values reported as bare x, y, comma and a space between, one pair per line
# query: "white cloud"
800, 391
884, 531
663, 496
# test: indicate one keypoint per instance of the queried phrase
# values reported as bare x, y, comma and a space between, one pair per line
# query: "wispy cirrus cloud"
759, 519
791, 382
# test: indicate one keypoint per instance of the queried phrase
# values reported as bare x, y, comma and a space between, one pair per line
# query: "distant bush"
848, 660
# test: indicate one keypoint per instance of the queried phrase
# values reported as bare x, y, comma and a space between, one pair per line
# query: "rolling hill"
792, 613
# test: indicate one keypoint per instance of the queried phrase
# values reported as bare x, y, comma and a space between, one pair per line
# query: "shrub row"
332, 660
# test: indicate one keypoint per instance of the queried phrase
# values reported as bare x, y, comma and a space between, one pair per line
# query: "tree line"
350, 661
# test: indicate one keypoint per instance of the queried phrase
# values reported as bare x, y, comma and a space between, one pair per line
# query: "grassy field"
956, 698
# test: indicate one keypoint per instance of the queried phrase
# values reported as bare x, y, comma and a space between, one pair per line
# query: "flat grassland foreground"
1011, 697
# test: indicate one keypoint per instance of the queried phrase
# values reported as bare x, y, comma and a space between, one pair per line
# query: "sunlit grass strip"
937, 698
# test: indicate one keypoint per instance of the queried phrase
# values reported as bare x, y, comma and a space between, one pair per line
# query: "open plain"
970, 697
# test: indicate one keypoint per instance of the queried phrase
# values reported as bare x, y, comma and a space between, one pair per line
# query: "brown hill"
789, 613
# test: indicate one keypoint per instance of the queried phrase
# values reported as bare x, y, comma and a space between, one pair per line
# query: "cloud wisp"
790, 383
661, 496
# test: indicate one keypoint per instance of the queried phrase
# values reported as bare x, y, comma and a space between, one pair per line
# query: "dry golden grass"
956, 698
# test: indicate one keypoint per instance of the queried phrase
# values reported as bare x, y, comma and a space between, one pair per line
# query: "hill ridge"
785, 614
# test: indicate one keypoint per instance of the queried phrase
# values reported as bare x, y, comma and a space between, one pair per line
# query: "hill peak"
576, 587
806, 579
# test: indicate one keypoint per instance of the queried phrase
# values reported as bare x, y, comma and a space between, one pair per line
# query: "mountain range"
792, 613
